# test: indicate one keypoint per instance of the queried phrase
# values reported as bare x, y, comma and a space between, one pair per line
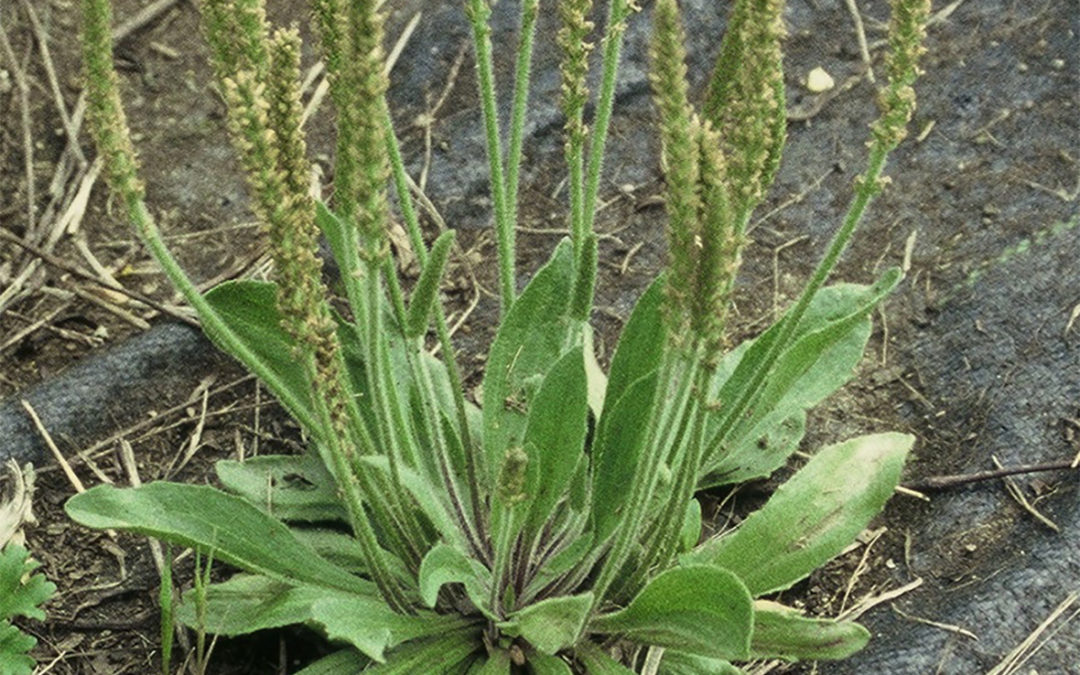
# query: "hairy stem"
478, 12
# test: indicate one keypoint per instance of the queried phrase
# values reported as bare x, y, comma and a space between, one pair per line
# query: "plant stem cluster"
558, 514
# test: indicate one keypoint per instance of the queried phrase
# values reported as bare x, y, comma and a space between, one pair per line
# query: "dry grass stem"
23, 88
60, 459
42, 38
1016, 658
427, 119
796, 198
110, 307
908, 492
861, 568
60, 264
142, 18
870, 601
936, 624
195, 442
860, 34
19, 335
1018, 494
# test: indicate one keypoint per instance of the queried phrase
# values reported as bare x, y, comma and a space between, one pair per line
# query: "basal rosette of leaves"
552, 527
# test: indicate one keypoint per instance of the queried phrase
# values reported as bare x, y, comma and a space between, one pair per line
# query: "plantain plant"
552, 527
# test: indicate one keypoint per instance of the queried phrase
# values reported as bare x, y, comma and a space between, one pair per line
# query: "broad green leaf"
813, 516
840, 301
445, 564
531, 338
617, 451
760, 452
544, 664
597, 661
784, 633
640, 345
372, 627
837, 303
555, 623
341, 662
249, 308
247, 603
439, 655
691, 526
427, 286
819, 363
288, 487
681, 663
822, 356
701, 609
555, 436
347, 553
212, 521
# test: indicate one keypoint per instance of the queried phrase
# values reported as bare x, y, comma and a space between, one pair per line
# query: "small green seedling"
553, 527
22, 591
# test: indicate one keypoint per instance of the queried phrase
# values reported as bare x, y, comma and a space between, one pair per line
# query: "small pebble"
817, 81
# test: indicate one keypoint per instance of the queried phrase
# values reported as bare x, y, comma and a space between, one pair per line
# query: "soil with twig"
976, 353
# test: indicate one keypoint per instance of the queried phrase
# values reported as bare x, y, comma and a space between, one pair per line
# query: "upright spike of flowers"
352, 35
236, 31
330, 19
301, 293
574, 68
264, 119
365, 82
745, 100
680, 151
721, 246
572, 37
108, 123
907, 33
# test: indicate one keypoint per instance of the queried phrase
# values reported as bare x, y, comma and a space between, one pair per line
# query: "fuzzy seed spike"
362, 170
721, 244
679, 143
108, 123
907, 33
745, 99
572, 39
237, 31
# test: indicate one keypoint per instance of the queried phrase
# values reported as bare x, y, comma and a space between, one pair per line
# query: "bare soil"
971, 212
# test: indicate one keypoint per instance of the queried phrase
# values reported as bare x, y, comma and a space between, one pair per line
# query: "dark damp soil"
976, 354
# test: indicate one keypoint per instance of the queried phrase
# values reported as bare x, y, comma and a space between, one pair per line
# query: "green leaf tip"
784, 633
702, 609
554, 624
813, 516
427, 286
